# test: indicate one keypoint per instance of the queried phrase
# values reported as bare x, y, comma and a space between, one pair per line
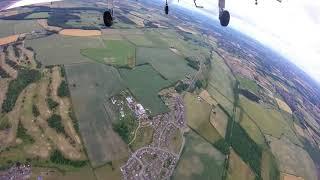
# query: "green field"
268, 119
221, 99
248, 84
170, 65
244, 146
38, 15
88, 19
145, 83
198, 118
219, 120
117, 53
220, 79
165, 38
10, 27
199, 160
269, 166
293, 159
237, 169
252, 129
139, 40
68, 48
110, 170
91, 84
156, 39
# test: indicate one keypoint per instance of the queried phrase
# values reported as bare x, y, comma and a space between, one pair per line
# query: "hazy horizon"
291, 28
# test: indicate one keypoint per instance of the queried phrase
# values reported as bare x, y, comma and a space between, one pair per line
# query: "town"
159, 159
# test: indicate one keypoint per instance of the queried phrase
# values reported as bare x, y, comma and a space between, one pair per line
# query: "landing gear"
224, 18
107, 18
166, 8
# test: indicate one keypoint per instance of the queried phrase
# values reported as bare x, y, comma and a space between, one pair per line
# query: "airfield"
146, 99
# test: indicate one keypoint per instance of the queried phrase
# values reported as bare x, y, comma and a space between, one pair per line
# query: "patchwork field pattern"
90, 89
199, 160
167, 63
116, 52
145, 83
68, 48
198, 118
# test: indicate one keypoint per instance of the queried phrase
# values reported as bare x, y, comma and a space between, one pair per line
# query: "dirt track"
8, 39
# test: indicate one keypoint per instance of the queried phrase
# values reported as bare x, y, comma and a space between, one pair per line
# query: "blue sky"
292, 27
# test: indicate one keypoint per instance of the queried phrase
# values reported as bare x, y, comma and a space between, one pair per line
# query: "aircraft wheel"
107, 18
224, 18
166, 9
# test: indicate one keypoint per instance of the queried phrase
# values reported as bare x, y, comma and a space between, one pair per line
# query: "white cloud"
292, 27
29, 2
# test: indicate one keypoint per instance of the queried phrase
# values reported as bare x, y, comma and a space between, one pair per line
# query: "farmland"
38, 15
139, 40
84, 19
219, 120
9, 27
248, 84
116, 52
89, 91
237, 169
251, 128
152, 97
68, 48
269, 166
288, 154
199, 160
80, 32
282, 105
220, 79
198, 118
245, 147
110, 170
221, 99
167, 63
266, 118
145, 83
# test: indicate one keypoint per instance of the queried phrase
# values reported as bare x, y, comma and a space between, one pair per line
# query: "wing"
9, 4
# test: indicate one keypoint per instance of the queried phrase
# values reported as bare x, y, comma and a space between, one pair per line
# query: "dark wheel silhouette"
224, 18
166, 9
107, 18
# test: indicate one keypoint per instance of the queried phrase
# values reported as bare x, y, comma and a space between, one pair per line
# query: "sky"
291, 27
27, 2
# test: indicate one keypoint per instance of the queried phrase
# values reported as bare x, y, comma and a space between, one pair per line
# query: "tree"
25, 77
181, 87
58, 158
52, 104
63, 90
55, 122
35, 111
